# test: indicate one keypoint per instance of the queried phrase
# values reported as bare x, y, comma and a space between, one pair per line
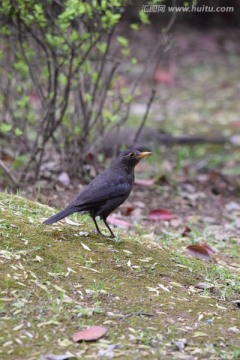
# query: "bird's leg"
94, 219
105, 222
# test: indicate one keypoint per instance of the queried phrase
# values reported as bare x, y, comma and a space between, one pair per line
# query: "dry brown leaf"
160, 214
144, 182
90, 334
118, 222
208, 248
199, 251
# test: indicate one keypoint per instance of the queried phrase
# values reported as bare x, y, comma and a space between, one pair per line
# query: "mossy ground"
55, 281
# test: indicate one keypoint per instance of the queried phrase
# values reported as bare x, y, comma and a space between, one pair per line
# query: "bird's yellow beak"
144, 154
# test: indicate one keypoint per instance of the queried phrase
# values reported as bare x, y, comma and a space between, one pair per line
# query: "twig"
145, 116
100, 72
171, 20
137, 313
9, 175
33, 74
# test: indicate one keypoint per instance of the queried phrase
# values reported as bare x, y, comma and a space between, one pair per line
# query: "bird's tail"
59, 216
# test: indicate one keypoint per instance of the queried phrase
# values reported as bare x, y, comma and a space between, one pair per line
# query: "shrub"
60, 84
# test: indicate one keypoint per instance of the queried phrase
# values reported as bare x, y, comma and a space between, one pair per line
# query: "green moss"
54, 281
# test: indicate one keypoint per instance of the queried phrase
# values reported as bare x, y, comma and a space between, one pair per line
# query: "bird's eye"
131, 154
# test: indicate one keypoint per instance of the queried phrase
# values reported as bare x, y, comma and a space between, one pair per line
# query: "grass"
54, 282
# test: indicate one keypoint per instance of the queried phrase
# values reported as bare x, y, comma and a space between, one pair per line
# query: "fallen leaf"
70, 222
175, 223
64, 179
85, 247
199, 334
160, 214
127, 251
175, 284
66, 356
204, 285
208, 248
181, 344
144, 182
232, 206
91, 269
163, 76
186, 231
220, 307
58, 288
199, 251
164, 288
90, 334
127, 210
234, 124
234, 329
118, 222
83, 233
108, 352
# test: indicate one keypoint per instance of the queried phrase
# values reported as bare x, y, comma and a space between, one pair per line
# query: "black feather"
59, 216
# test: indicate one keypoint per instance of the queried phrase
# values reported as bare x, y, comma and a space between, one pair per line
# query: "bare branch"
150, 101
10, 176
31, 71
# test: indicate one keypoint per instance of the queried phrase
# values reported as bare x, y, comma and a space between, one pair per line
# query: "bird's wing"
107, 185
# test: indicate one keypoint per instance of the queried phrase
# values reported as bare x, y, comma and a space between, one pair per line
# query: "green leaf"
23, 102
94, 76
74, 36
19, 161
144, 17
18, 132
77, 130
107, 115
128, 99
102, 47
5, 128
63, 79
134, 61
55, 40
88, 97
4, 30
104, 4
109, 19
125, 52
123, 41
21, 67
39, 15
134, 26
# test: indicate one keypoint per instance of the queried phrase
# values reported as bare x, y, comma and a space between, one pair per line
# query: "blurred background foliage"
70, 75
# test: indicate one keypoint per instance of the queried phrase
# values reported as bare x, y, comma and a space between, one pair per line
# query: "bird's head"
130, 158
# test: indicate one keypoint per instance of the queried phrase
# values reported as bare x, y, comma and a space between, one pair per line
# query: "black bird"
106, 192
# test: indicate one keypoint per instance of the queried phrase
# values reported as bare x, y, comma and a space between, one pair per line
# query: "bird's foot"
97, 232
